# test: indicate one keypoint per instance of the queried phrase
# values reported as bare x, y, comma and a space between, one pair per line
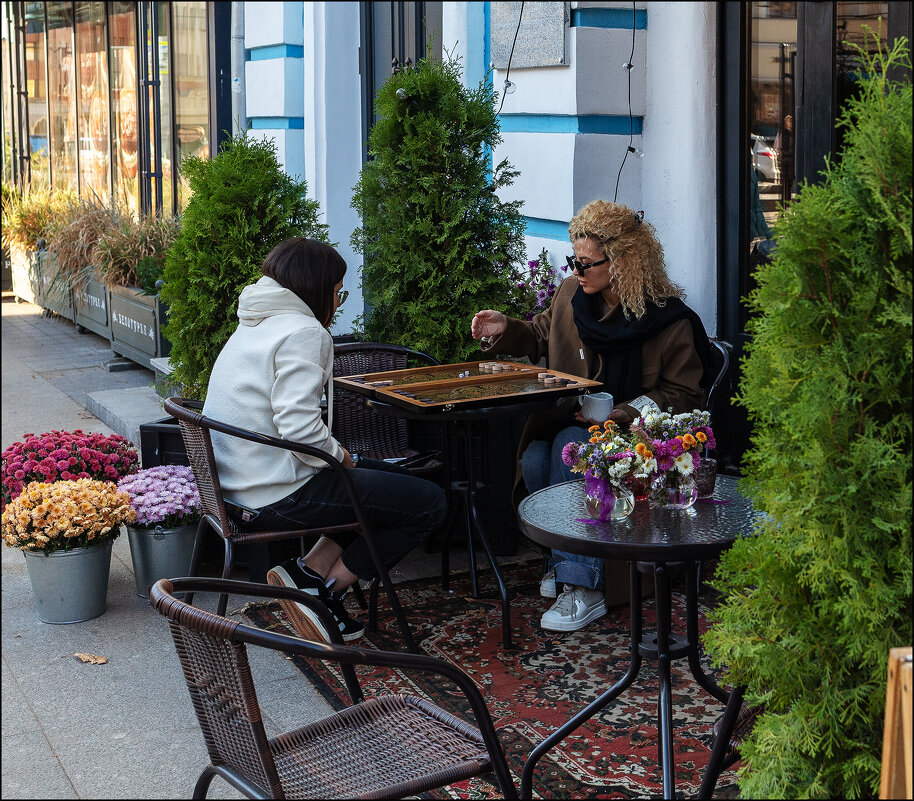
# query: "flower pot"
136, 322
623, 505
160, 553
674, 491
55, 294
24, 273
70, 586
90, 306
706, 477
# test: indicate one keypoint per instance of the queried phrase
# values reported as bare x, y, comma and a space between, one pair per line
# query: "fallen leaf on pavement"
92, 659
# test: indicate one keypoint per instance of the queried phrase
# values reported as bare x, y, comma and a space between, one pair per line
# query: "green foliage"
27, 215
243, 205
438, 243
817, 598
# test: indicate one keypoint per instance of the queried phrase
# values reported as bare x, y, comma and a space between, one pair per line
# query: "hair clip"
639, 218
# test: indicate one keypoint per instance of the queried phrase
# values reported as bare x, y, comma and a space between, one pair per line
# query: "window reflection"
191, 87
122, 24
37, 93
92, 107
62, 95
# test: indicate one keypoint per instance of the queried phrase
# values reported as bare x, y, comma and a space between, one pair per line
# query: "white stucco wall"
333, 131
679, 177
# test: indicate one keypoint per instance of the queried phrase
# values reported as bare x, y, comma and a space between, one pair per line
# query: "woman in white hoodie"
270, 377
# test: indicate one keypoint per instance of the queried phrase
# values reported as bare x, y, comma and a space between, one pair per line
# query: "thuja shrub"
815, 600
243, 204
438, 243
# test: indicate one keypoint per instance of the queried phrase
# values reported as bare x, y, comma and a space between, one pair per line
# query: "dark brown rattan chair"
383, 747
360, 430
195, 430
724, 349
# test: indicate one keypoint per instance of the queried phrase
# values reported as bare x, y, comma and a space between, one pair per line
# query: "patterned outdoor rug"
538, 685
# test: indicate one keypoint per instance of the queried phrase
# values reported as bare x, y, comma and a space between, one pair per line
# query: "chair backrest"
722, 350
199, 444
218, 676
355, 426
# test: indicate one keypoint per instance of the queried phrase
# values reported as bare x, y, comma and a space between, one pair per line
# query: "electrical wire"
631, 122
508, 73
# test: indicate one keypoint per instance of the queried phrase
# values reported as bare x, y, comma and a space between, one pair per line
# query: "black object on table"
461, 482
655, 538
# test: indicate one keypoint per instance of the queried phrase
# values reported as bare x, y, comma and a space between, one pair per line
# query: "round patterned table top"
557, 518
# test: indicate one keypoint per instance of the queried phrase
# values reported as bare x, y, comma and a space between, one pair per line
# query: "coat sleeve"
531, 337
672, 372
298, 386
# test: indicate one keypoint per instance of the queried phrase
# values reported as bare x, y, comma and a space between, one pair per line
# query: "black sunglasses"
574, 264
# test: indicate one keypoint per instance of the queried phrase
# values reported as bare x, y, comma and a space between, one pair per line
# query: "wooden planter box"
90, 307
54, 291
24, 269
136, 321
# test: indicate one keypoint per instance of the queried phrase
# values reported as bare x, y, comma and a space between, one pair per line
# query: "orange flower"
593, 428
701, 436
689, 441
640, 448
648, 455
609, 424
594, 439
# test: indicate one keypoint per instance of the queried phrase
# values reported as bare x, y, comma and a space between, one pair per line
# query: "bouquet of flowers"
64, 515
675, 442
163, 496
540, 286
610, 464
64, 455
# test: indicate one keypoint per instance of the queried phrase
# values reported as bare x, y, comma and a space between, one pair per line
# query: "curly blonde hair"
620, 233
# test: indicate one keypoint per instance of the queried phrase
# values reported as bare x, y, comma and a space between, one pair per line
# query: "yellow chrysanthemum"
701, 436
689, 440
640, 448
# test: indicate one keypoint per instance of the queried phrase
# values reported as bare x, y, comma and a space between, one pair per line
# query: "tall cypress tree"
815, 600
243, 205
437, 242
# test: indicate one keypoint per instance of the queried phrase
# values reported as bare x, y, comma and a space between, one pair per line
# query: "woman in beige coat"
617, 319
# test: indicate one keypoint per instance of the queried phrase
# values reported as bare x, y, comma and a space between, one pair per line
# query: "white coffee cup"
597, 406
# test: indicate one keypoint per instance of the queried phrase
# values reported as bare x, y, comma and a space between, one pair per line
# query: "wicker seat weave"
381, 747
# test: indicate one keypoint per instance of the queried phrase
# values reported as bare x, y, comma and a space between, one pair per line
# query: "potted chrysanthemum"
167, 506
65, 529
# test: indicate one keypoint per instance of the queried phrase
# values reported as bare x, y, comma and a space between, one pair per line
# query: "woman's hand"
488, 323
347, 459
621, 418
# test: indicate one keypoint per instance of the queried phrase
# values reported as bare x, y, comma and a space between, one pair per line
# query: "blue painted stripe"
608, 18
569, 123
548, 229
276, 123
276, 51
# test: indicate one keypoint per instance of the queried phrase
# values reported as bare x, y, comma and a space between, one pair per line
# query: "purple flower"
570, 453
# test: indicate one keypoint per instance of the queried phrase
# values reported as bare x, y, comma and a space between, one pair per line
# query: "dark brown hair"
310, 269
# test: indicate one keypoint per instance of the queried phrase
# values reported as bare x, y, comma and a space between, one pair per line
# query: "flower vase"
70, 586
622, 507
159, 552
641, 488
674, 491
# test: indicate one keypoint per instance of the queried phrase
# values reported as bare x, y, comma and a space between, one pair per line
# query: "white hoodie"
269, 378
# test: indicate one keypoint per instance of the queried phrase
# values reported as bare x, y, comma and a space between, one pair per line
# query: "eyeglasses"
342, 295
574, 264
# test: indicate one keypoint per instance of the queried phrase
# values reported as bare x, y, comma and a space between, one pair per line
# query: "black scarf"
619, 340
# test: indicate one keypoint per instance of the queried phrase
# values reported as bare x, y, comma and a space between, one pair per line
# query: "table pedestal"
664, 647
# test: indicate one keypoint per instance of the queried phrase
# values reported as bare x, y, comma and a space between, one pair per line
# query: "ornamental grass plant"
813, 601
64, 515
66, 455
165, 496
28, 216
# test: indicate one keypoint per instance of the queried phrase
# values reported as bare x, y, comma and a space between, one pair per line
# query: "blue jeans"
542, 466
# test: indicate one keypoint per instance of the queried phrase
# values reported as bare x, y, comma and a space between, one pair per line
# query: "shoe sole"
574, 625
305, 622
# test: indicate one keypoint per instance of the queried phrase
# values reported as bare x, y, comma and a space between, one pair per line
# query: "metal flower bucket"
70, 586
160, 553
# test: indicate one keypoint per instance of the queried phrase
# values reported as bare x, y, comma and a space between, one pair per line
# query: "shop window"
92, 100
62, 96
124, 164
36, 88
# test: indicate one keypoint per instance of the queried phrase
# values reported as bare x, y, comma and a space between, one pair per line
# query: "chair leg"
359, 595
197, 556
203, 783
226, 574
373, 606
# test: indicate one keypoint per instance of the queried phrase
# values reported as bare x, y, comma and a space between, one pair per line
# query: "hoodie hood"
266, 299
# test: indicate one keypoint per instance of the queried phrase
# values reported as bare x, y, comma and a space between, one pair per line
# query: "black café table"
651, 540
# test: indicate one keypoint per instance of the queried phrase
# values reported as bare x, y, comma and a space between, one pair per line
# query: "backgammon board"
466, 385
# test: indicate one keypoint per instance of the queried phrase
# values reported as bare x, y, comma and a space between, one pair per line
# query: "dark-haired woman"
617, 318
270, 377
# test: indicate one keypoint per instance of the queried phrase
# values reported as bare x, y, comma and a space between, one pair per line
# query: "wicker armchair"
383, 747
195, 430
724, 349
360, 430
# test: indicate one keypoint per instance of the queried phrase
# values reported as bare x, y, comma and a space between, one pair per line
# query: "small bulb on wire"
402, 94
510, 87
628, 65
637, 151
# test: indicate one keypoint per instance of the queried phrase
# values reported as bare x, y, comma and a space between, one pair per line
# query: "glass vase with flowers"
675, 443
608, 464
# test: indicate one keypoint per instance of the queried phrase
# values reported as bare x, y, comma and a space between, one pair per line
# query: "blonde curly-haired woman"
618, 319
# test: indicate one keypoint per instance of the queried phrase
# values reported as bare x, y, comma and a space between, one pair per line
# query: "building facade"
704, 115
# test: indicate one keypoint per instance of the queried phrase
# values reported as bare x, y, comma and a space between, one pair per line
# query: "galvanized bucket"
160, 553
70, 586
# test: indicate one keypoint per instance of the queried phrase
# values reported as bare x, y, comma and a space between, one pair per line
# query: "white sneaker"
574, 609
547, 585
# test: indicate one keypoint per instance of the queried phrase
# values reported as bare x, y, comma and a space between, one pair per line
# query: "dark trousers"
402, 511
